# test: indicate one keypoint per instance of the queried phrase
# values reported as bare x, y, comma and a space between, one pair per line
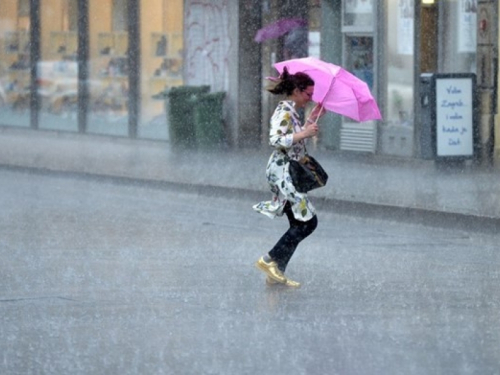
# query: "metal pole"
34, 58
134, 64
83, 58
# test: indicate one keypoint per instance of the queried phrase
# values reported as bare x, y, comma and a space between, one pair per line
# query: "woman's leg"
283, 251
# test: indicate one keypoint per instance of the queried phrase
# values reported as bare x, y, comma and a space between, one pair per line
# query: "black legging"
283, 250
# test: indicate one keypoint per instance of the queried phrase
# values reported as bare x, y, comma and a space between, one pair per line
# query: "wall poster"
455, 115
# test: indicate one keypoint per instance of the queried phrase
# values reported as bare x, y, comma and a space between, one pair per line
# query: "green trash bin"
180, 108
209, 123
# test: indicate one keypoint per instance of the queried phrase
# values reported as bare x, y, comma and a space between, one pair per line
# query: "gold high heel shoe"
271, 269
288, 282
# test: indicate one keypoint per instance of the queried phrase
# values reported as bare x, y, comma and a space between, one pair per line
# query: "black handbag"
307, 174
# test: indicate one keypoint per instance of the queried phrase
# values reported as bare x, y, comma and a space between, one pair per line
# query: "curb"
410, 215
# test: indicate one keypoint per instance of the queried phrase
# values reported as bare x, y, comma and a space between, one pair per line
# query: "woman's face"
304, 96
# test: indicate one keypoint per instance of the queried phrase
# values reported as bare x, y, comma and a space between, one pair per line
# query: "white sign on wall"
358, 7
467, 26
454, 116
314, 44
405, 27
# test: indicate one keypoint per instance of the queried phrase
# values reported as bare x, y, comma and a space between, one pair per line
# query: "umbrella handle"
318, 116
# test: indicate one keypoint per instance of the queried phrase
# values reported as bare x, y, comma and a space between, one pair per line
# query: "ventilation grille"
359, 137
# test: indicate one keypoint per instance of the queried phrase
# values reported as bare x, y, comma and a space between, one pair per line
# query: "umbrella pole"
319, 114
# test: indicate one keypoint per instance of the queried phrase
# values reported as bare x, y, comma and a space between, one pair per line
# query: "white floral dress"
284, 123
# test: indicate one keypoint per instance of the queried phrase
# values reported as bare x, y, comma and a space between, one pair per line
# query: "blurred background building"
105, 66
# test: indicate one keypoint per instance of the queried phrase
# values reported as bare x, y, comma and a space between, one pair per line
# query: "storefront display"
108, 82
110, 95
18, 63
57, 68
15, 64
58, 79
161, 62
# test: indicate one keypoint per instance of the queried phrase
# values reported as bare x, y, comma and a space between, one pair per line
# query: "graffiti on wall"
208, 42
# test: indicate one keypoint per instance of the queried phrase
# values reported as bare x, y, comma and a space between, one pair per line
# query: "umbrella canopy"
276, 29
338, 90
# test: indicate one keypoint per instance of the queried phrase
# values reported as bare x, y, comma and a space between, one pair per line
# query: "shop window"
15, 63
357, 16
457, 36
108, 83
359, 58
161, 62
57, 68
399, 63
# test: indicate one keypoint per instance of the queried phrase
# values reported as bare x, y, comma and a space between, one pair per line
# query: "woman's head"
287, 82
299, 87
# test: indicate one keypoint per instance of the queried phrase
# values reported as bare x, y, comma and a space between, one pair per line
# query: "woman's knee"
312, 224
309, 226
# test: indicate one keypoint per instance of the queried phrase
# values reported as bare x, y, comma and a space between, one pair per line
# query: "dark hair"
287, 82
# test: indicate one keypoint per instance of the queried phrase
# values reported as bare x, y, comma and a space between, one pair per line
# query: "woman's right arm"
308, 131
281, 134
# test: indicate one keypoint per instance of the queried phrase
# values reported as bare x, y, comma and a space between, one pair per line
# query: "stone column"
496, 154
487, 47
331, 50
249, 127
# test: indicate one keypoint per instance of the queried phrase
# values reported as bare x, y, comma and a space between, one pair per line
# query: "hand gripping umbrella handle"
318, 116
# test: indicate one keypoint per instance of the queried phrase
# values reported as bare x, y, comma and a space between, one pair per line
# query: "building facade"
101, 66
89, 65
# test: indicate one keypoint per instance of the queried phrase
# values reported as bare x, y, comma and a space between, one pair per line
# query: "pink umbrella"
276, 29
338, 90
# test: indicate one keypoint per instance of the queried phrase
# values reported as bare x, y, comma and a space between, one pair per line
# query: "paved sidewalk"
359, 180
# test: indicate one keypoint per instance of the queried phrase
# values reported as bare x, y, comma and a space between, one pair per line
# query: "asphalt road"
111, 278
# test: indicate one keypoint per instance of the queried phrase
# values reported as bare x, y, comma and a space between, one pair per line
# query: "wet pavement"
416, 186
107, 277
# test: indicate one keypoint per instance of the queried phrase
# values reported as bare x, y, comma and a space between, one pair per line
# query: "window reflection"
15, 63
108, 67
400, 64
57, 70
162, 53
